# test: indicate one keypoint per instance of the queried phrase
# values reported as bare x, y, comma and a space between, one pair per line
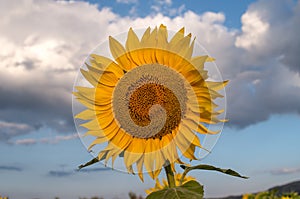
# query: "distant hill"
293, 186
290, 187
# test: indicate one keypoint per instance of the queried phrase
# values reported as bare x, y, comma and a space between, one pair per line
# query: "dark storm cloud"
60, 173
90, 170
10, 168
63, 173
254, 97
30, 110
280, 40
266, 79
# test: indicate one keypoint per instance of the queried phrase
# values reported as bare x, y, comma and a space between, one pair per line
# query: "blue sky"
256, 45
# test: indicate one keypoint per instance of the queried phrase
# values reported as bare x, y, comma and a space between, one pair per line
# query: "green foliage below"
271, 195
189, 190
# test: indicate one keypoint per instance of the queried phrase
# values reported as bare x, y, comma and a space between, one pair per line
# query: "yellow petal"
134, 151
114, 156
121, 140
203, 130
86, 115
182, 47
182, 143
149, 157
158, 157
133, 46
91, 125
97, 141
199, 61
216, 85
90, 78
205, 117
189, 153
190, 50
132, 42
149, 55
102, 64
176, 38
145, 38
192, 76
130, 170
111, 130
152, 39
139, 166
109, 79
119, 53
105, 121
89, 93
95, 133
162, 37
161, 53
87, 104
188, 133
168, 148
156, 173
102, 155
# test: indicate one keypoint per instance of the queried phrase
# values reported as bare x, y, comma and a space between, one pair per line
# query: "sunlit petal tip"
141, 176
156, 173
146, 35
163, 26
225, 83
225, 120
182, 30
154, 31
151, 174
116, 48
132, 42
210, 59
130, 170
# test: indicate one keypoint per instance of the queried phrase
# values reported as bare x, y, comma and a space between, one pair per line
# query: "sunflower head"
150, 102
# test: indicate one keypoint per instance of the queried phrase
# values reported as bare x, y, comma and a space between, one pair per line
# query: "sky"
44, 42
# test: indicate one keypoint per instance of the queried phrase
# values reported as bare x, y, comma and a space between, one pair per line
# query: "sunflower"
150, 102
164, 184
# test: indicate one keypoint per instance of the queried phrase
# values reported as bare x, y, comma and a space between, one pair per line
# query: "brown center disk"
147, 95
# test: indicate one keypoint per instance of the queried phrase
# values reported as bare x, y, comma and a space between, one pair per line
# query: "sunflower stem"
186, 170
170, 175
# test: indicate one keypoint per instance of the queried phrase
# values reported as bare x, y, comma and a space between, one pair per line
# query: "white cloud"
11, 129
253, 29
285, 171
46, 41
166, 7
59, 138
45, 140
127, 1
176, 11
28, 141
271, 29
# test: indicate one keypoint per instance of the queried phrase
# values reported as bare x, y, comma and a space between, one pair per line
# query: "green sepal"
189, 190
93, 161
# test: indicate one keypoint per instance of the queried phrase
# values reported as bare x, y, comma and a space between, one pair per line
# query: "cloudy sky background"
43, 43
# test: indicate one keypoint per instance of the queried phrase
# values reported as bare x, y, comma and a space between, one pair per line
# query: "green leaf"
189, 190
212, 168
